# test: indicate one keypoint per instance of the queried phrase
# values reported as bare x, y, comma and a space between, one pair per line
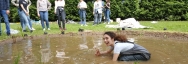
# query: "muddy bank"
161, 35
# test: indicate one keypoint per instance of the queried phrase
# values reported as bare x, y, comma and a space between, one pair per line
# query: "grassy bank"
171, 26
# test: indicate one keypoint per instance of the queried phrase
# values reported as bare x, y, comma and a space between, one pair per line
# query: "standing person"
4, 11
107, 11
82, 12
123, 50
97, 11
60, 12
24, 12
42, 10
16, 3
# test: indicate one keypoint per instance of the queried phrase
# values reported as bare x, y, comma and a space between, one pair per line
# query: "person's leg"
81, 17
84, 18
26, 20
105, 15
108, 16
42, 19
132, 58
46, 19
95, 18
6, 20
30, 24
0, 22
100, 17
63, 19
21, 19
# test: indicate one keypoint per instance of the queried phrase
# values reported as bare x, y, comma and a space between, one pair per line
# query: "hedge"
146, 10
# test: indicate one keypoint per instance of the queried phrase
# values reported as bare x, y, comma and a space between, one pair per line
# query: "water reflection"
45, 50
27, 57
5, 52
83, 44
80, 50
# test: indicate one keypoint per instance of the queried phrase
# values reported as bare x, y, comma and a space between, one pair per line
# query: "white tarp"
127, 23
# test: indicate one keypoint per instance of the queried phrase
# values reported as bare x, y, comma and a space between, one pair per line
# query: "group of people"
123, 50
42, 11
98, 9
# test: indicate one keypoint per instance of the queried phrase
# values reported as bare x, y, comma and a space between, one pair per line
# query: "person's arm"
8, 6
98, 53
94, 8
14, 3
85, 5
27, 13
55, 7
49, 5
115, 56
108, 5
78, 6
63, 3
38, 8
29, 1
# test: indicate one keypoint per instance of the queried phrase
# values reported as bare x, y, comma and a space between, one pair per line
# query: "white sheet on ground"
127, 23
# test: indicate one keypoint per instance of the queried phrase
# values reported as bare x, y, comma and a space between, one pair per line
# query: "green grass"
172, 26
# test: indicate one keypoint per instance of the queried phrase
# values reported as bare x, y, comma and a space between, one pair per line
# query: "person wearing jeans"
107, 11
60, 12
42, 9
4, 11
16, 3
23, 7
97, 11
82, 12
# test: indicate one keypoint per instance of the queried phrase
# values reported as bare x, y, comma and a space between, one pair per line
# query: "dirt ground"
166, 35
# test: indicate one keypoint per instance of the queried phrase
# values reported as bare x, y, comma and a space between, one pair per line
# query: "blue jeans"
6, 20
82, 13
107, 15
22, 20
97, 18
44, 17
26, 20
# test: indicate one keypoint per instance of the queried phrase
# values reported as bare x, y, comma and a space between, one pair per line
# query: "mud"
151, 34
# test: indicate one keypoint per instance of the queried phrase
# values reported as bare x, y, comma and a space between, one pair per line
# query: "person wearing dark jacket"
4, 11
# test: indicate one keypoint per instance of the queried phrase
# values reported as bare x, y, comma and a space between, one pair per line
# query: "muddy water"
79, 49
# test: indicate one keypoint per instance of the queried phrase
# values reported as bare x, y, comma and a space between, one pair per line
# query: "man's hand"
8, 12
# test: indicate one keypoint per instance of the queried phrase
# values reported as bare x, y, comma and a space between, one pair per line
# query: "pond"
80, 49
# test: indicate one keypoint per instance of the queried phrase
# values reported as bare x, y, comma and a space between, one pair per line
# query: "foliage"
171, 10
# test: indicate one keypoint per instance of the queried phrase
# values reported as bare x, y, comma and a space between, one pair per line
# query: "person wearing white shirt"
97, 11
123, 50
60, 12
82, 12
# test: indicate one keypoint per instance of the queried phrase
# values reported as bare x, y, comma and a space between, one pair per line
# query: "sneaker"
25, 31
33, 28
81, 25
65, 29
48, 28
85, 25
108, 22
44, 29
31, 31
60, 29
